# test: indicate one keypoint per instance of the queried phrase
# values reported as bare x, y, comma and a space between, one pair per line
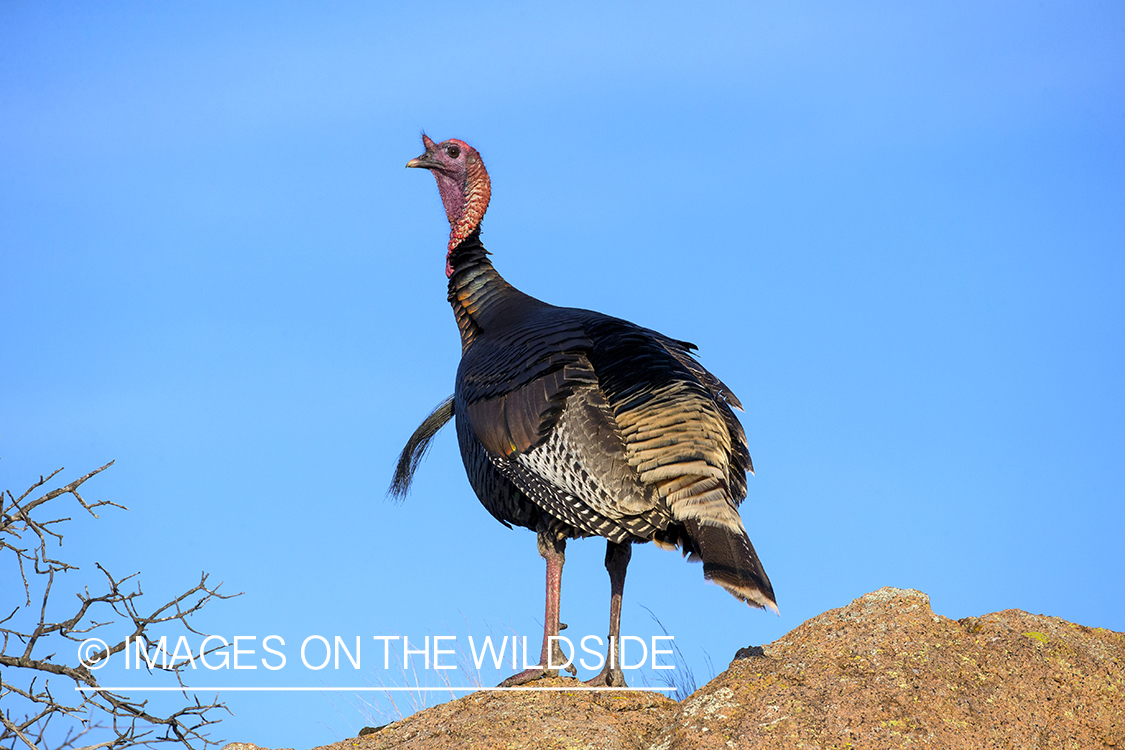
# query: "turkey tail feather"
730, 561
416, 448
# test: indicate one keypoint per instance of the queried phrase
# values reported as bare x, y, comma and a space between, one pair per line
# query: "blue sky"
895, 231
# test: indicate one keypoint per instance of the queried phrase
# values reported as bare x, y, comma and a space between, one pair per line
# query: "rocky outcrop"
882, 672
885, 672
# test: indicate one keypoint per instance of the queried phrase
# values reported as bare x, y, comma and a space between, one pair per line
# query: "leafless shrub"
30, 642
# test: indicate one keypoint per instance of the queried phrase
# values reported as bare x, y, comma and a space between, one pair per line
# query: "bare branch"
28, 656
10, 727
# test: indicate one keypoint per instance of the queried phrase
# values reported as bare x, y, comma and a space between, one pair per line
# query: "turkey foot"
610, 676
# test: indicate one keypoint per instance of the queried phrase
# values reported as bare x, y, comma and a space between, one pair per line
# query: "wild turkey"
575, 424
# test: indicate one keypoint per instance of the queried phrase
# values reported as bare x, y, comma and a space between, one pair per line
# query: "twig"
27, 657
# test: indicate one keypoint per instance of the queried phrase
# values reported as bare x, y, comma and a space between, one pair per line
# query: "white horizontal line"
359, 689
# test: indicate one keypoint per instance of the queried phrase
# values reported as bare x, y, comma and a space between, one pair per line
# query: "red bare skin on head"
463, 183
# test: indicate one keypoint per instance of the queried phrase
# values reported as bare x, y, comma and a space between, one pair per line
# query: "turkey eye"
453, 151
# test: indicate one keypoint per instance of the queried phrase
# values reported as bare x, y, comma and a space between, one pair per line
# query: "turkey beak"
424, 161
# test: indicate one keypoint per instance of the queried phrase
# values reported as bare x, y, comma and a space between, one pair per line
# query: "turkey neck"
477, 292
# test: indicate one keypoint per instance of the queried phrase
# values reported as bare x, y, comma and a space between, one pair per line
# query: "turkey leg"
616, 562
553, 551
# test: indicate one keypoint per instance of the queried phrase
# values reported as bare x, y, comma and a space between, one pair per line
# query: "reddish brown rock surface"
525, 719
885, 672
882, 672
